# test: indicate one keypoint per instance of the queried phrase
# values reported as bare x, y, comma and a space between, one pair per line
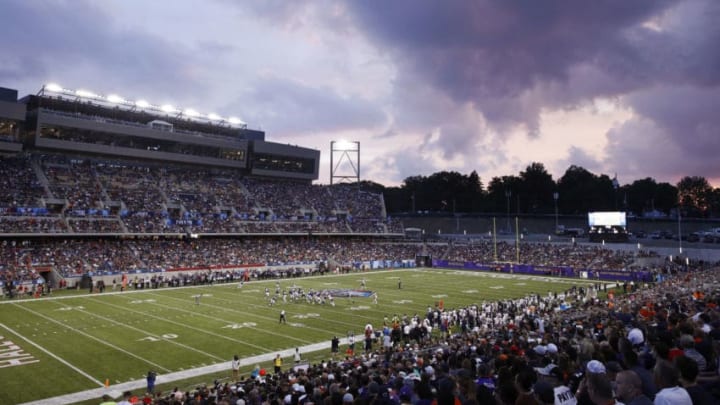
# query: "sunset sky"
615, 86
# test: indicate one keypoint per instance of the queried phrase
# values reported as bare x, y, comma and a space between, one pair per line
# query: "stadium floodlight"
157, 109
114, 98
346, 168
343, 145
236, 121
86, 94
54, 87
168, 108
191, 113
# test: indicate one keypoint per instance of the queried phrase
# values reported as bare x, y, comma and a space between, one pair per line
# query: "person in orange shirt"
646, 313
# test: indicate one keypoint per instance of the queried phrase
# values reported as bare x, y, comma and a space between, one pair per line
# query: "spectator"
629, 389
687, 344
599, 389
688, 369
666, 379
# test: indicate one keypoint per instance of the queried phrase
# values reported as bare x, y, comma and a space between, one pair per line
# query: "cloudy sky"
615, 86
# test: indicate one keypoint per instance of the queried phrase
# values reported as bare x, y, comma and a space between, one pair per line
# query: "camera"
575, 379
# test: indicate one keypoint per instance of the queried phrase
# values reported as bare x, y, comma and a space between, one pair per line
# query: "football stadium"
167, 256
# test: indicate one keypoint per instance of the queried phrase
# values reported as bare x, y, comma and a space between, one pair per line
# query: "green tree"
694, 195
536, 189
666, 197
641, 195
475, 194
582, 191
502, 191
715, 202
445, 190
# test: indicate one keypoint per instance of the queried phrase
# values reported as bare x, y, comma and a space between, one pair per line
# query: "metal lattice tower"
346, 167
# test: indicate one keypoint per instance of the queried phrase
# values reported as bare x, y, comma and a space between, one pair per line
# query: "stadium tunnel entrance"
423, 261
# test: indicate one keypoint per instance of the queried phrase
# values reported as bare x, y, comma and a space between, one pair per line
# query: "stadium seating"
151, 199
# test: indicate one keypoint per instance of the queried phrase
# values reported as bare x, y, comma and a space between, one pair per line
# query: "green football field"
76, 341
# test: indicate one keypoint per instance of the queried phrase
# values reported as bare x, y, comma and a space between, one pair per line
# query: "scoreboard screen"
607, 218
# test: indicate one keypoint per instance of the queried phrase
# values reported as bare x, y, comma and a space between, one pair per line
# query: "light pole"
615, 185
679, 230
508, 194
556, 195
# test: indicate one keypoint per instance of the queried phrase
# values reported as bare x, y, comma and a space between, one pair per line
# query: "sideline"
5, 301
115, 391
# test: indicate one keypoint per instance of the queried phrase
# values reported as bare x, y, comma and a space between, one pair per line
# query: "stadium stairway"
648, 261
40, 175
383, 211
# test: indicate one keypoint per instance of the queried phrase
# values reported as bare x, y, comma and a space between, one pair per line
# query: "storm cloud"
616, 86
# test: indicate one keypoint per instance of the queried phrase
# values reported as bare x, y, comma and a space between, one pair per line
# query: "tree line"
534, 191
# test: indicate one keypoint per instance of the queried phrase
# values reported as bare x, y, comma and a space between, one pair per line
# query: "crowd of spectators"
95, 226
77, 257
360, 203
324, 201
149, 222
49, 225
74, 183
578, 256
369, 225
19, 183
134, 186
175, 199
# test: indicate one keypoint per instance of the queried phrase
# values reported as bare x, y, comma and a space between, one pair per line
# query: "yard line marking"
338, 313
54, 356
225, 320
370, 314
309, 307
185, 325
225, 310
87, 335
153, 335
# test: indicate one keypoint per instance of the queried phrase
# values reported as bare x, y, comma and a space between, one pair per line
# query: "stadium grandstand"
78, 163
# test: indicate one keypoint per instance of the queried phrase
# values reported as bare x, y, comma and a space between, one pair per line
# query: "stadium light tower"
615, 186
679, 236
348, 159
56, 88
556, 195
508, 194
